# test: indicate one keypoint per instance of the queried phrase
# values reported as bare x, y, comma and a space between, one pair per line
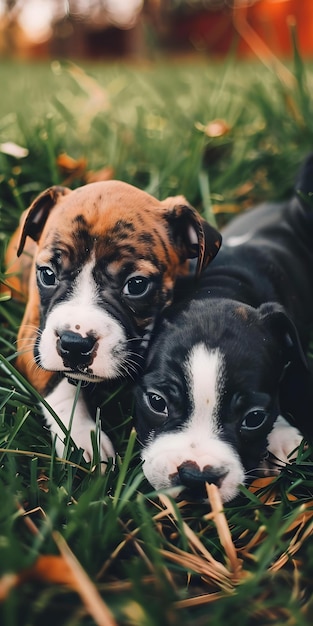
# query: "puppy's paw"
283, 441
61, 399
83, 440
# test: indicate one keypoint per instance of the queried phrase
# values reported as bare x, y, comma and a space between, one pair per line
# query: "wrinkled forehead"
115, 225
108, 194
99, 208
247, 351
223, 325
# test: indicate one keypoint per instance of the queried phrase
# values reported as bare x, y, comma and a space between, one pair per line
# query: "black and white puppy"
227, 366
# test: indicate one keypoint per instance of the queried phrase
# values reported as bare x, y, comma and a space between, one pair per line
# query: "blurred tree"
70, 22
10, 31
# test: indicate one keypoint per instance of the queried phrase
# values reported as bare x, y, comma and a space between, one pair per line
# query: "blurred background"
206, 98
143, 29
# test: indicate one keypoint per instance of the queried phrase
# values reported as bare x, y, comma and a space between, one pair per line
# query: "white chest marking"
61, 399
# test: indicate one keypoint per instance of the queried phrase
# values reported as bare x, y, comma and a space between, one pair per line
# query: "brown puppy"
105, 261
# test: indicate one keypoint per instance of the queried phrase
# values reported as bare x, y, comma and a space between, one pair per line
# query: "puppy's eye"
254, 420
47, 276
156, 403
136, 286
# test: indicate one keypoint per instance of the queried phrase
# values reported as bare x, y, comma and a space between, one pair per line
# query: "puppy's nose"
194, 479
75, 349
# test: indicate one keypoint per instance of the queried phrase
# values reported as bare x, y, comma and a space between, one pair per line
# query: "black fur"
255, 304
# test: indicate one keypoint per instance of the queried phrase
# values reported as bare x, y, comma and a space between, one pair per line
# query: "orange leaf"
71, 168
69, 165
105, 173
7, 582
261, 483
215, 128
50, 569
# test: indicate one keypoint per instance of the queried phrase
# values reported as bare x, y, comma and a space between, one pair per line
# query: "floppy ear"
194, 237
37, 214
304, 185
296, 386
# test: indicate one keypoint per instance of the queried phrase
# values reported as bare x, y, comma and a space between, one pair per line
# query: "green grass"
139, 552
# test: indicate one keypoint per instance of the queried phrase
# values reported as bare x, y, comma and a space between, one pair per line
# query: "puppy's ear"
276, 318
304, 185
37, 214
194, 237
296, 385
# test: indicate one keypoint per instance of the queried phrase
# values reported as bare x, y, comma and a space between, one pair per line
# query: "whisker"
140, 340
132, 366
130, 339
31, 326
261, 471
24, 351
128, 368
37, 330
21, 339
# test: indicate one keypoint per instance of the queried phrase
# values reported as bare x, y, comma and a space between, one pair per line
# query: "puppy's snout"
74, 349
194, 479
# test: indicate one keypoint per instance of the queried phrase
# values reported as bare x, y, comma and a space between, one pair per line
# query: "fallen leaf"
105, 173
51, 569
71, 168
13, 149
215, 128
88, 592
